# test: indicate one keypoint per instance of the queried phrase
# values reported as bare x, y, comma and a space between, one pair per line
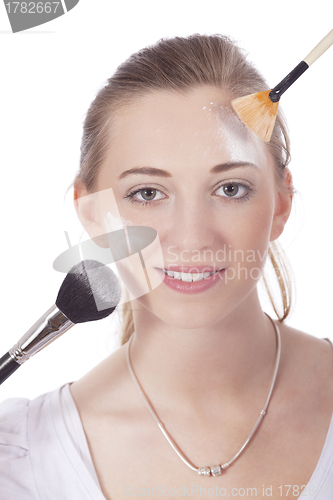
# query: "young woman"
244, 403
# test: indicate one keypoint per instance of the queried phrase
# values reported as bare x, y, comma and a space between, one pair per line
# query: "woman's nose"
192, 226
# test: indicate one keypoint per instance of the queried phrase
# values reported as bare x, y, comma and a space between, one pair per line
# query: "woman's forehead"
175, 107
173, 125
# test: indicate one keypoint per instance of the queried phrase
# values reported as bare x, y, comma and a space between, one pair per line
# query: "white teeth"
188, 276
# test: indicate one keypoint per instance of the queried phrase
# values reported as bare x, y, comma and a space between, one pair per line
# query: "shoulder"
306, 349
306, 371
35, 454
13, 425
16, 478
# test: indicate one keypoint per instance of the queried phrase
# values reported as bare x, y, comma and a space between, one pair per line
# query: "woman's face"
185, 165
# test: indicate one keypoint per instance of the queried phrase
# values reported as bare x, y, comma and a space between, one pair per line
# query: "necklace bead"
216, 470
204, 471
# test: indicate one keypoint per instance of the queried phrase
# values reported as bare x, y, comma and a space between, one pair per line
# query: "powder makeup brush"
258, 111
76, 303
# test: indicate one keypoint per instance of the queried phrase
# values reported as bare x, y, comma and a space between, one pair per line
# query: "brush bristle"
258, 113
89, 283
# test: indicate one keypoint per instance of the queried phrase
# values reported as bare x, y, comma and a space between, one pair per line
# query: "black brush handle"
7, 366
281, 87
319, 49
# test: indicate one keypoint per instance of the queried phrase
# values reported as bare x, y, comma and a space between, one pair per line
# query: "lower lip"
192, 286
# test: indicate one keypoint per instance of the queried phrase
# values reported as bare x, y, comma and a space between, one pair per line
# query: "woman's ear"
283, 206
85, 206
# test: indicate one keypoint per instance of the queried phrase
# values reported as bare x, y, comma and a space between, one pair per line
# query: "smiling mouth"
189, 276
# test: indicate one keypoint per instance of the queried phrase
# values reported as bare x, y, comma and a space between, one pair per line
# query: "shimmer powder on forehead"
237, 138
228, 119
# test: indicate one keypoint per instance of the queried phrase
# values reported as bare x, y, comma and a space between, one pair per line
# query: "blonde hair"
181, 64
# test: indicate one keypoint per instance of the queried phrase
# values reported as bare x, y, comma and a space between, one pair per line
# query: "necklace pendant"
204, 471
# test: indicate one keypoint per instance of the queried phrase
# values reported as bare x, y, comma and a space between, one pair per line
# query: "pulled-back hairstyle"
181, 64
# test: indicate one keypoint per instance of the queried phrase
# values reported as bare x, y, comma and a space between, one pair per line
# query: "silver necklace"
213, 470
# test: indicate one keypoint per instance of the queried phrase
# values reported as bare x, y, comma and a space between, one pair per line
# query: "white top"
44, 453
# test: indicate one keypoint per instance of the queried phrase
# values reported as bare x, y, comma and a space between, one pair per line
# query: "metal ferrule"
49, 327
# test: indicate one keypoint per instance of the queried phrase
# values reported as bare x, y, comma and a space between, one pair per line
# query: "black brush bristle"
79, 294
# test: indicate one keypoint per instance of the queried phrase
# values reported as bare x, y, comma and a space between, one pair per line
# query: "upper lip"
192, 269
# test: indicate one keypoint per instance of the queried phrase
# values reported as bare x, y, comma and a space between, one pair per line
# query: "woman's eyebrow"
222, 167
145, 171
158, 172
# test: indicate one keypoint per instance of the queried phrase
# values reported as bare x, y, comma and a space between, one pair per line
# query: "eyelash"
130, 196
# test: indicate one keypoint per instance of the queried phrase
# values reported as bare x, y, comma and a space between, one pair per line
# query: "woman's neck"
224, 362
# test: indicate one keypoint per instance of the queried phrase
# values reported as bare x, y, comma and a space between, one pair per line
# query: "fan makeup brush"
258, 111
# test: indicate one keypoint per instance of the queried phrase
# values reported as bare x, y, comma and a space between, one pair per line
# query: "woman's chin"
181, 315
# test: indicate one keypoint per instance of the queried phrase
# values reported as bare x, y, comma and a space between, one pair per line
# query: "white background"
49, 76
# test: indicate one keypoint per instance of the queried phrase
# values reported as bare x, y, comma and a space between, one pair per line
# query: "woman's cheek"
249, 239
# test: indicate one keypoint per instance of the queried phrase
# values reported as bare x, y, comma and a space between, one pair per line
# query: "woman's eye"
148, 195
144, 195
234, 190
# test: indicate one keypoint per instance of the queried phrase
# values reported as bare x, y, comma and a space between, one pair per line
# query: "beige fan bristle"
258, 113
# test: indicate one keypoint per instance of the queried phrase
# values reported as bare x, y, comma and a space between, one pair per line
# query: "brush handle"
7, 367
281, 87
319, 49
48, 328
